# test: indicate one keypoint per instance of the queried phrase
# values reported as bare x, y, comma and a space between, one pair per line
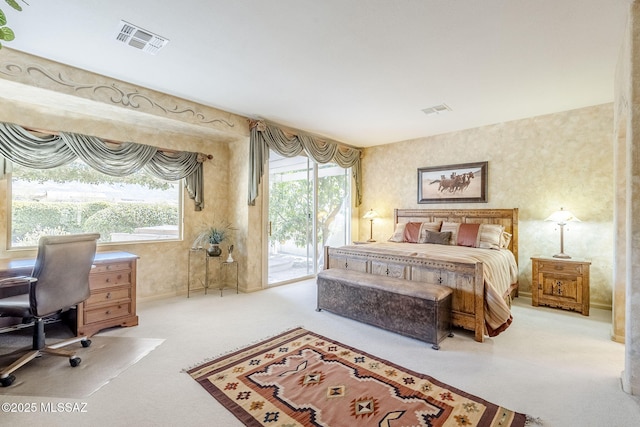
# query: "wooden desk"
113, 290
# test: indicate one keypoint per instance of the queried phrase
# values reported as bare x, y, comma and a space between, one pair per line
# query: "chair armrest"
16, 281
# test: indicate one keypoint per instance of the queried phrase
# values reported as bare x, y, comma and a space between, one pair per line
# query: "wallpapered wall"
537, 164
162, 266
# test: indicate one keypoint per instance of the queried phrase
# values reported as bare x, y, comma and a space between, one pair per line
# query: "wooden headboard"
505, 217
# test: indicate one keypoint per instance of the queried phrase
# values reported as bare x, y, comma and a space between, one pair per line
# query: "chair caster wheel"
85, 343
74, 361
7, 381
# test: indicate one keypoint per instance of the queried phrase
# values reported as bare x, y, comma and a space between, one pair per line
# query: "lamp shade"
371, 214
562, 217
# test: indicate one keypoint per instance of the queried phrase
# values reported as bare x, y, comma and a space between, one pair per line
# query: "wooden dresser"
562, 283
113, 294
113, 291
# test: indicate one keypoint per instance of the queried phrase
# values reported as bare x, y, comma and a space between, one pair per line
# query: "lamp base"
562, 255
370, 240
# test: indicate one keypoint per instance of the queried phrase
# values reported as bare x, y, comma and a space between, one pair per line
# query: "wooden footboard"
465, 279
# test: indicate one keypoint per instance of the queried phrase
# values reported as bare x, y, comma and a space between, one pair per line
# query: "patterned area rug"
300, 378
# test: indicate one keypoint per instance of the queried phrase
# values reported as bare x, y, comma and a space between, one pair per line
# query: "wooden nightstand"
561, 283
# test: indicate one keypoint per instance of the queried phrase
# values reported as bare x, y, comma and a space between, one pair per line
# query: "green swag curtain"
265, 136
49, 151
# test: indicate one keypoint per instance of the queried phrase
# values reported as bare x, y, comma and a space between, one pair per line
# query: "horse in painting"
455, 183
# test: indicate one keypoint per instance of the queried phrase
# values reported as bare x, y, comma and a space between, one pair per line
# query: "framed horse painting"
463, 183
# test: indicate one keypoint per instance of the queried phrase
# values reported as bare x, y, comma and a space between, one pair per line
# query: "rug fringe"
529, 420
226, 353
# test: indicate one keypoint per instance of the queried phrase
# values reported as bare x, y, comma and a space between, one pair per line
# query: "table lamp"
370, 215
561, 218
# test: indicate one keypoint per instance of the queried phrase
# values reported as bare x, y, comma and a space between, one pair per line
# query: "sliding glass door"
290, 225
308, 208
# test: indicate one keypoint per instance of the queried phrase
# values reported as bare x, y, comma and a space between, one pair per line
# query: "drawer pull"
559, 267
107, 312
107, 280
108, 296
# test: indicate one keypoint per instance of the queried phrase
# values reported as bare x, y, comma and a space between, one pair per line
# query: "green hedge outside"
32, 219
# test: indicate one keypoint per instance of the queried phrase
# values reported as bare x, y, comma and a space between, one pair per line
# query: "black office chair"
59, 281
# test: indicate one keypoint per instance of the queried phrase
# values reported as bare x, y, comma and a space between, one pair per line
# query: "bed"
483, 277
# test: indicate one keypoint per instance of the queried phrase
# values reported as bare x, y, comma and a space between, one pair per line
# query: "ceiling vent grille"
140, 39
437, 109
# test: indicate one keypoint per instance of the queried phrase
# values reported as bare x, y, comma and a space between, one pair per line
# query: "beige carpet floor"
556, 365
52, 376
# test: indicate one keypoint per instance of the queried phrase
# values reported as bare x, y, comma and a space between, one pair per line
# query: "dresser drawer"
110, 279
106, 313
100, 298
116, 266
561, 268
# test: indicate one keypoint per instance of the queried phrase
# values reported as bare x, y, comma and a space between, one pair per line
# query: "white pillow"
505, 239
398, 234
490, 236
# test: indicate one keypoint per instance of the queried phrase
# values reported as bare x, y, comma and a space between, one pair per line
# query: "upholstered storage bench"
416, 309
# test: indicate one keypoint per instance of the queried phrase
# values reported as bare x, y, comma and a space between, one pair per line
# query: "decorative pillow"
438, 237
398, 234
412, 232
468, 235
428, 226
505, 239
451, 227
490, 236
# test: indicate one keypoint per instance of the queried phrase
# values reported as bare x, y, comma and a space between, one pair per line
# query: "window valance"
49, 151
265, 136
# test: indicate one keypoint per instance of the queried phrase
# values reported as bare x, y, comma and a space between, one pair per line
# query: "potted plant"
213, 236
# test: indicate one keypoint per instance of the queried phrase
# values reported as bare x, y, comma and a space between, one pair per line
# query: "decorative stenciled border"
113, 92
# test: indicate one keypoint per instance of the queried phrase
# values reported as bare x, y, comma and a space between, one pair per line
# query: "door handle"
269, 228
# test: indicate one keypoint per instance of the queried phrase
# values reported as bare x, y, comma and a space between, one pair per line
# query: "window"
78, 199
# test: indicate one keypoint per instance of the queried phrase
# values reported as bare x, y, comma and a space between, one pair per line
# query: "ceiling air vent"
140, 39
436, 109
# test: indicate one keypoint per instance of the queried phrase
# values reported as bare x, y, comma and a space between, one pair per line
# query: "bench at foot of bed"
415, 309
